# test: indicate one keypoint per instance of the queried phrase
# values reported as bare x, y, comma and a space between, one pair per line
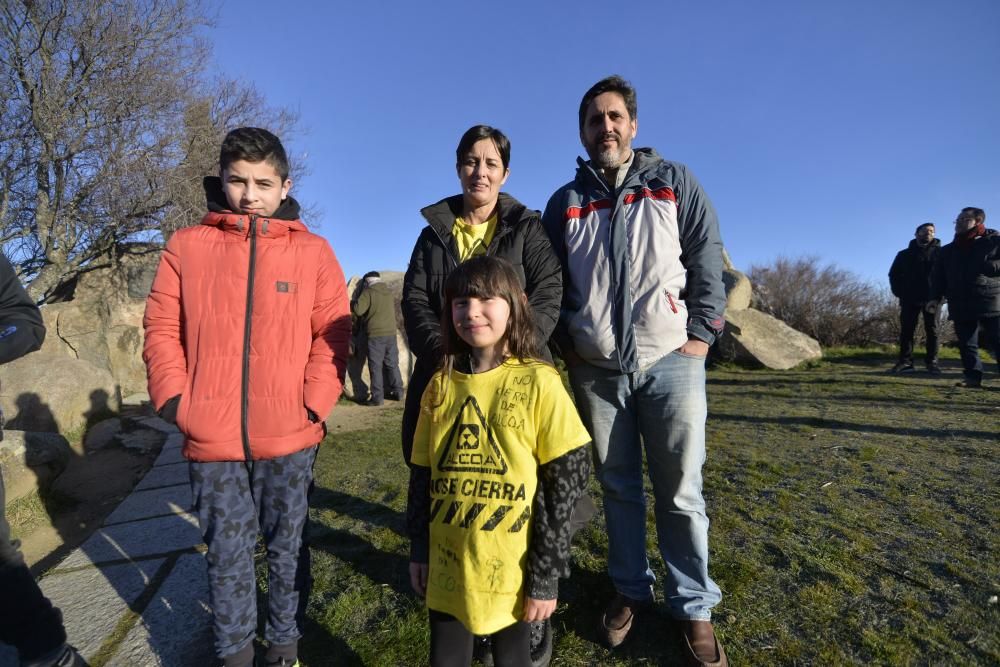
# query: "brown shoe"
703, 649
617, 619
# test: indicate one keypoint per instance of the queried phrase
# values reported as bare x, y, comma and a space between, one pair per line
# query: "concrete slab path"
135, 594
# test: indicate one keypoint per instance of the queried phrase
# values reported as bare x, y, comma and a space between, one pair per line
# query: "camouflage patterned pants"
230, 520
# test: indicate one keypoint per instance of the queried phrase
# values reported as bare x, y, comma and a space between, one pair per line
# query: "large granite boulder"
394, 280
739, 291
100, 320
755, 337
44, 391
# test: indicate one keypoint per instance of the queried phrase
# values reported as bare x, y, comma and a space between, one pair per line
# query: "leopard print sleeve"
418, 504
561, 482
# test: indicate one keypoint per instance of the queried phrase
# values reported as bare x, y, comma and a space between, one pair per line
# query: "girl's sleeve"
418, 504
418, 498
563, 471
561, 482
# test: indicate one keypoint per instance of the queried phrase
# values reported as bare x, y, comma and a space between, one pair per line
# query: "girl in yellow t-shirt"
500, 459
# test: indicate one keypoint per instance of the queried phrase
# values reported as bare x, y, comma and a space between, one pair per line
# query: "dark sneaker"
969, 383
702, 647
282, 655
393, 396
541, 643
617, 618
71, 658
903, 367
64, 656
933, 368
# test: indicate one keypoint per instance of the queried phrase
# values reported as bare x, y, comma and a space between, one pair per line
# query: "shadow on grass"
837, 425
381, 567
318, 648
359, 509
652, 640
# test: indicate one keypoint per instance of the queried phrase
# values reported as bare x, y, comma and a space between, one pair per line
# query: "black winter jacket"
910, 275
21, 327
969, 277
519, 239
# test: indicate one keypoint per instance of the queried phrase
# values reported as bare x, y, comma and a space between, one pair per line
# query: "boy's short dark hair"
926, 224
254, 144
610, 84
478, 133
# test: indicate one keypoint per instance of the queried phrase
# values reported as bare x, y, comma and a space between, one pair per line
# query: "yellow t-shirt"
472, 240
483, 437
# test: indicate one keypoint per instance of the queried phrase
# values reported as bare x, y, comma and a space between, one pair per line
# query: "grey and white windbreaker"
642, 265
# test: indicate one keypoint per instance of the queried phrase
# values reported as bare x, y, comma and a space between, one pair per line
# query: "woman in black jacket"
481, 220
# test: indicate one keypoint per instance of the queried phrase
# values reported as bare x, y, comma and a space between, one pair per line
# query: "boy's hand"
536, 610
418, 578
168, 412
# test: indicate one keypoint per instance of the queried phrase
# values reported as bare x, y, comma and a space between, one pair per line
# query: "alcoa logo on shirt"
471, 448
466, 451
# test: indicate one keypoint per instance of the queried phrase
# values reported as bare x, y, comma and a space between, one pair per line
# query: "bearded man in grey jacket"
642, 302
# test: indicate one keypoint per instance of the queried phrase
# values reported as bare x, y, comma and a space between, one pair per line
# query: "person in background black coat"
910, 281
28, 621
967, 274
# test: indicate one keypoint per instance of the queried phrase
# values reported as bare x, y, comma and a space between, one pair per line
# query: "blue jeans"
967, 333
663, 408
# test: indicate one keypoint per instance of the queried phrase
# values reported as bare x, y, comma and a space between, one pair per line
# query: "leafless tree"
108, 125
831, 304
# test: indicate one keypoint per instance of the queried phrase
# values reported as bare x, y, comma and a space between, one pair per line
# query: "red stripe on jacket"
580, 211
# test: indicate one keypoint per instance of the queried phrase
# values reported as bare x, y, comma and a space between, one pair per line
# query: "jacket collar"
643, 160
441, 215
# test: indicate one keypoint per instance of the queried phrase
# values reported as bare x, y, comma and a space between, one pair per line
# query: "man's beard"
610, 158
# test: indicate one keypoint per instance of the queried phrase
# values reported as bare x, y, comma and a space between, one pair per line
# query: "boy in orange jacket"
247, 331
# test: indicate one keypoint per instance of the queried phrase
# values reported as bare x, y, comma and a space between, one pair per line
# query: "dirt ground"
349, 416
85, 493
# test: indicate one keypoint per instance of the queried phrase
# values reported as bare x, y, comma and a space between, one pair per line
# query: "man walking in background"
642, 302
910, 282
967, 274
376, 311
28, 621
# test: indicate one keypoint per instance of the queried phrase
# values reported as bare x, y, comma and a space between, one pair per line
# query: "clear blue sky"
831, 129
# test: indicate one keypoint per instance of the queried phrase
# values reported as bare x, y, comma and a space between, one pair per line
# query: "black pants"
451, 643
383, 367
908, 315
967, 333
28, 621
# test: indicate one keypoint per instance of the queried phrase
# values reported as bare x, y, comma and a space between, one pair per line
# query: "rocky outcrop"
102, 323
757, 338
44, 391
754, 337
29, 461
738, 290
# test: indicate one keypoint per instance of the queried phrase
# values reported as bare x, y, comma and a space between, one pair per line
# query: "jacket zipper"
447, 248
245, 384
670, 300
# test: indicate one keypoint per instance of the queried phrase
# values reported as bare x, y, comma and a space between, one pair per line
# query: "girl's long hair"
484, 277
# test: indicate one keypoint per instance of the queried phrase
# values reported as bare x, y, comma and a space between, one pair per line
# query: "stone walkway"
135, 593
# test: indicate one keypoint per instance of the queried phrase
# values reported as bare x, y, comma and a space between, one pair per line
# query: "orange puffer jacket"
249, 322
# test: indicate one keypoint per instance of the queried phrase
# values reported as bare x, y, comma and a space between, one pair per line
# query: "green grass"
854, 518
